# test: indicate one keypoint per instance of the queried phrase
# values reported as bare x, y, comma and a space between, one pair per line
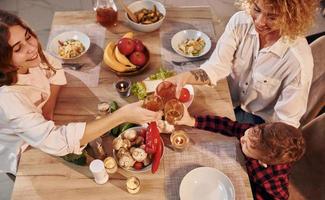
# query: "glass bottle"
106, 12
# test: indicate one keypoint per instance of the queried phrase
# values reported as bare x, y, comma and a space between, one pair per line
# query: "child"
269, 150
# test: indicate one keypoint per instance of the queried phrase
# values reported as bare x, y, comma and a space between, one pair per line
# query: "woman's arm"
49, 106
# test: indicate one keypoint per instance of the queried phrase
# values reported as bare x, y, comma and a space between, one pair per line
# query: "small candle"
123, 87
179, 140
110, 165
97, 168
133, 185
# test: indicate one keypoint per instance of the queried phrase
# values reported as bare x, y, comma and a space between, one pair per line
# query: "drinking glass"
153, 102
106, 12
123, 87
173, 110
166, 90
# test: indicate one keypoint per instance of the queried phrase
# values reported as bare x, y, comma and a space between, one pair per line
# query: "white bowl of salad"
191, 43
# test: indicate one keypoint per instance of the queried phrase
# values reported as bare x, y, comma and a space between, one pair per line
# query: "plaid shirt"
267, 183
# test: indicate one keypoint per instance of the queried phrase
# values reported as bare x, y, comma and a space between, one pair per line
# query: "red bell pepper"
154, 145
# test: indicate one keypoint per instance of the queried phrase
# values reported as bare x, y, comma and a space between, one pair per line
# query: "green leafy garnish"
139, 89
162, 74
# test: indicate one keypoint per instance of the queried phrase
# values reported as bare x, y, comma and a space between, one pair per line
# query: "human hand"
48, 111
135, 113
186, 119
179, 80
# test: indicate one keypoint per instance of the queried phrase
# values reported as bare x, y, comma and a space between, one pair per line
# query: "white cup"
98, 170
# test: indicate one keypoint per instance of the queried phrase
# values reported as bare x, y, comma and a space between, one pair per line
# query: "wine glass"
166, 90
173, 110
153, 102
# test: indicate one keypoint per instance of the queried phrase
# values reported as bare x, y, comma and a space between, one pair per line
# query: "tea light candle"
133, 185
123, 87
98, 170
110, 165
179, 140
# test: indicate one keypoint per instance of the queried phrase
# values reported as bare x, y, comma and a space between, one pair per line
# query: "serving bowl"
69, 35
145, 168
148, 4
184, 35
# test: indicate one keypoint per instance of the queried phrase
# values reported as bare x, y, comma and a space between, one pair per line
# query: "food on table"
119, 143
140, 89
126, 160
185, 95
146, 16
130, 134
133, 185
154, 145
192, 47
110, 165
70, 48
162, 74
127, 55
139, 154
103, 106
75, 158
165, 127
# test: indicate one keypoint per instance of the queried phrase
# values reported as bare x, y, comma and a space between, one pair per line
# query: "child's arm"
222, 125
276, 189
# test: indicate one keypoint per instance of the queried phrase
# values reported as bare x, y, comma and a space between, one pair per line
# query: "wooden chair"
307, 179
316, 99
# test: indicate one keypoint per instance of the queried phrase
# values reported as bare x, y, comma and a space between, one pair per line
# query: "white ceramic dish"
76, 35
138, 5
206, 183
181, 36
145, 169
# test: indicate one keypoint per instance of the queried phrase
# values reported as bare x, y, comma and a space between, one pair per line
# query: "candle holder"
133, 185
123, 87
110, 165
179, 140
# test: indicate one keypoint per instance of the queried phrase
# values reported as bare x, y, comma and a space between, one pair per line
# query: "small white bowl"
148, 4
76, 35
181, 36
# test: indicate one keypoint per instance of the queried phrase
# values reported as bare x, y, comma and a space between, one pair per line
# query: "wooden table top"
42, 176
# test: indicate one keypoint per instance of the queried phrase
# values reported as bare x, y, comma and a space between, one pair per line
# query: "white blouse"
272, 82
22, 122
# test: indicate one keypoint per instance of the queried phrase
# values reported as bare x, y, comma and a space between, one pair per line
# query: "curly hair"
295, 16
279, 143
8, 72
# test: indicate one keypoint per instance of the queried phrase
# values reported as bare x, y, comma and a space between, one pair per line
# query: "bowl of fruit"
127, 56
132, 152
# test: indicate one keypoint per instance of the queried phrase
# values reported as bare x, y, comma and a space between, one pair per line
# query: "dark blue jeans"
245, 117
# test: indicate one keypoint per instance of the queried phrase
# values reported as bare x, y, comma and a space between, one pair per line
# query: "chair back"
316, 98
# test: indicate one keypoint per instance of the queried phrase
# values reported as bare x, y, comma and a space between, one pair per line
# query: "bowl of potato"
149, 14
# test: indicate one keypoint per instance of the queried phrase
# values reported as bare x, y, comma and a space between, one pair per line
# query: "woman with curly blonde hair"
266, 58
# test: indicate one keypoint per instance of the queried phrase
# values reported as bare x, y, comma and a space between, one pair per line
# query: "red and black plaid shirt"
267, 183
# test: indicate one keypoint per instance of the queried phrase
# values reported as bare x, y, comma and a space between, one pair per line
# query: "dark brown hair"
8, 72
279, 143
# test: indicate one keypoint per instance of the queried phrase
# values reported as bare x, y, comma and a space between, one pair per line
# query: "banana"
128, 35
110, 60
122, 58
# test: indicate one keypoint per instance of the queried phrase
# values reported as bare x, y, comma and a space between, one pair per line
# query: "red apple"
138, 58
138, 45
126, 46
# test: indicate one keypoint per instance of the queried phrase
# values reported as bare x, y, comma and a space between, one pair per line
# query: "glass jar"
106, 12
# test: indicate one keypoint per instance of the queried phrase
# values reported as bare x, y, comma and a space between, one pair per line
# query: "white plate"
76, 35
206, 183
145, 169
181, 36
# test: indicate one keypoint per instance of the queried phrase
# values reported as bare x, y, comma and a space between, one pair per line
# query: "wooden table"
42, 176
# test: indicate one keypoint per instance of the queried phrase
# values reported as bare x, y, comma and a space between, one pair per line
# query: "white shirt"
22, 122
272, 82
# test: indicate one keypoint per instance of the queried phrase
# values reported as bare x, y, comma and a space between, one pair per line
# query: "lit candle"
133, 185
179, 140
123, 87
110, 165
